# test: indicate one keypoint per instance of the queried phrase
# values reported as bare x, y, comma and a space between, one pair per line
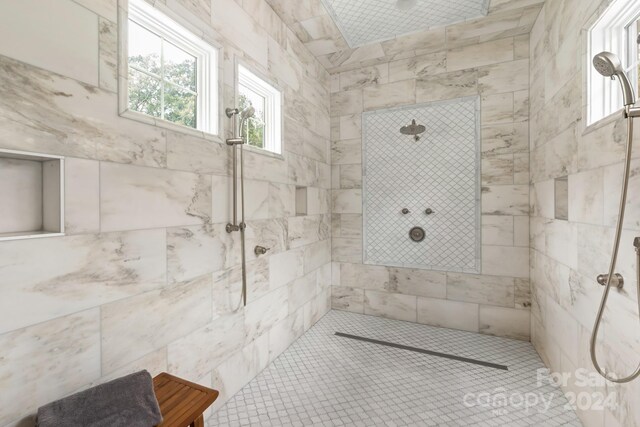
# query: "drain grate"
423, 351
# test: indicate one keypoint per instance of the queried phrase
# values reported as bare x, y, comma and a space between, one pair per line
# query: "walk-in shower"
609, 65
236, 141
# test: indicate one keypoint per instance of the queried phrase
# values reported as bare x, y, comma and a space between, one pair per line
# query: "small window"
264, 130
615, 31
172, 74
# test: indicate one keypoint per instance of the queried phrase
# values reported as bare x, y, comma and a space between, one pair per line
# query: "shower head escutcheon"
413, 129
609, 65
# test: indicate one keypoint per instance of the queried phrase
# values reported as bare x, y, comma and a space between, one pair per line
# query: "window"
264, 130
615, 31
172, 74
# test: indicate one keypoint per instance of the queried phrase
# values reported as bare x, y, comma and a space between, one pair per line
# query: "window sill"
143, 118
613, 117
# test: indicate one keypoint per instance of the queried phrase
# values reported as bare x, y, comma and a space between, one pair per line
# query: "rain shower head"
413, 129
609, 65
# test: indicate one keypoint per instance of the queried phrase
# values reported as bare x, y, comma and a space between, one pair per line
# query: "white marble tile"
82, 196
303, 230
316, 255
506, 322
505, 199
505, 138
418, 66
347, 299
478, 55
69, 278
521, 231
498, 230
350, 127
498, 108
411, 281
389, 95
197, 250
197, 353
108, 65
160, 317
285, 332
347, 201
446, 86
346, 102
364, 77
586, 197
301, 290
265, 312
195, 154
73, 52
505, 261
481, 289
54, 114
348, 151
448, 314
346, 225
48, 361
391, 306
137, 197
363, 276
504, 77
346, 249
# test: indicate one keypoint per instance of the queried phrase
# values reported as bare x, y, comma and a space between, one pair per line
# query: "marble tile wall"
146, 277
487, 58
566, 255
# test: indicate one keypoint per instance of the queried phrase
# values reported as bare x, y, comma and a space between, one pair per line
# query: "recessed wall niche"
561, 196
32, 194
301, 201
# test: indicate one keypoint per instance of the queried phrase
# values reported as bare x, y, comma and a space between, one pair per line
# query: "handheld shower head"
248, 112
609, 65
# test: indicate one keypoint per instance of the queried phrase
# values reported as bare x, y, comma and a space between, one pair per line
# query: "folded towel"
127, 401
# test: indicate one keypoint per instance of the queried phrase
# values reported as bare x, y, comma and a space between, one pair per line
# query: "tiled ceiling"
315, 26
367, 21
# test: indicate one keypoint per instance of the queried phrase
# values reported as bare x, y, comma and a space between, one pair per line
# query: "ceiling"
367, 21
319, 27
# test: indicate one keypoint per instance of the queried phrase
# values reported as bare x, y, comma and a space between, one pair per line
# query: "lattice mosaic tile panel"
441, 171
325, 380
366, 21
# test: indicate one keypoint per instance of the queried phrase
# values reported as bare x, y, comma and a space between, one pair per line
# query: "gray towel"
127, 401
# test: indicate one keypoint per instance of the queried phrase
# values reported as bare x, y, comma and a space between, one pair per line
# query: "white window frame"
272, 107
206, 55
611, 33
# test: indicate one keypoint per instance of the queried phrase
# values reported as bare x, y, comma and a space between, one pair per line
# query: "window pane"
144, 93
254, 128
179, 66
179, 106
144, 48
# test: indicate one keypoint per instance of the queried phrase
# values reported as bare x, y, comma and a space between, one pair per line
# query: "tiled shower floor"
327, 380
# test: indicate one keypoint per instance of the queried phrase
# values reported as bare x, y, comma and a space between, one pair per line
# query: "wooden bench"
182, 402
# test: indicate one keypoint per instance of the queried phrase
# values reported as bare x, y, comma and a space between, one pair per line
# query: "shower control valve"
405, 211
429, 211
260, 250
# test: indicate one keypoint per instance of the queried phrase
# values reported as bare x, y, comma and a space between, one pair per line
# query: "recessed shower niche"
32, 194
421, 186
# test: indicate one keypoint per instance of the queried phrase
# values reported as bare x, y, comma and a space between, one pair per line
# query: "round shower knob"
429, 211
405, 211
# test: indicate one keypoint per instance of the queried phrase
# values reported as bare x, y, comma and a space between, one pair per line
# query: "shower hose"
612, 264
